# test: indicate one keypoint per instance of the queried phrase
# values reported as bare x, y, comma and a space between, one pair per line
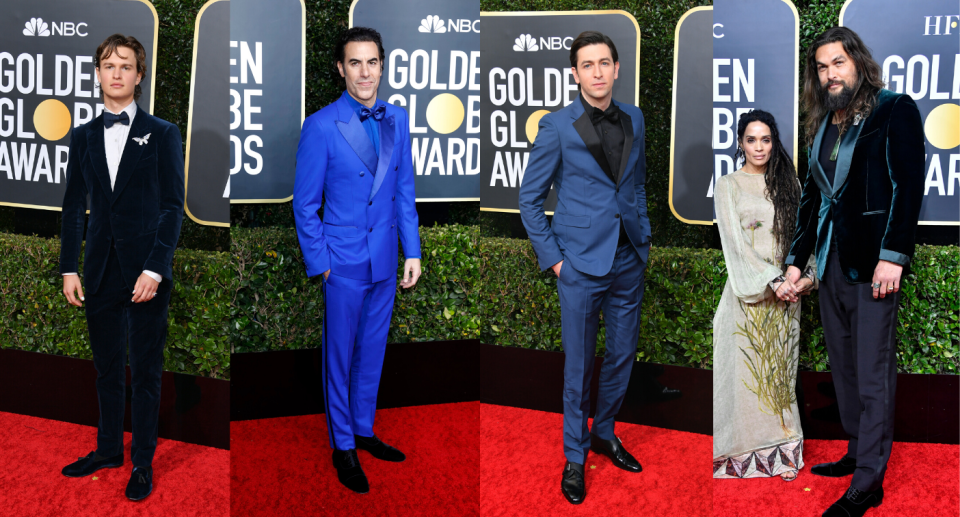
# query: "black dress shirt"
609, 129
826, 149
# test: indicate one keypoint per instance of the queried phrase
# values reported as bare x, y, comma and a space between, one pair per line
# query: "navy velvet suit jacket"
141, 215
586, 223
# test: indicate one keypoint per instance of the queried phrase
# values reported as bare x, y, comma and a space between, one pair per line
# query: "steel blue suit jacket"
363, 212
141, 215
586, 223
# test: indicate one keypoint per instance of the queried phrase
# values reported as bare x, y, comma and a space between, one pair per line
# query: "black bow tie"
377, 113
109, 119
612, 114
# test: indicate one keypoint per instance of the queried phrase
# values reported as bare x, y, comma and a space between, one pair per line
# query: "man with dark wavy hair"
858, 214
130, 164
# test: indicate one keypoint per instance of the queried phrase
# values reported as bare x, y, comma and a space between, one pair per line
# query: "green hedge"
519, 307
276, 307
37, 318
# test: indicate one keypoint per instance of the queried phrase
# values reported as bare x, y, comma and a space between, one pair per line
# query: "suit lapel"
98, 155
588, 134
818, 175
845, 157
627, 123
132, 151
387, 133
352, 131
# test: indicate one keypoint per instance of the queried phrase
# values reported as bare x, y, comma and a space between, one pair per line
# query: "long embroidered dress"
756, 422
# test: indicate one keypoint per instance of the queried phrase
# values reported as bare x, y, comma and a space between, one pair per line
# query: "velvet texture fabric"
141, 216
873, 205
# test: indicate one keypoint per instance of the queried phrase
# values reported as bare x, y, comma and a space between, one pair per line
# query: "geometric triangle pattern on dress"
766, 462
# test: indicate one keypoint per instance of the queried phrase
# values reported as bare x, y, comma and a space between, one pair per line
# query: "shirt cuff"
68, 274
893, 256
154, 276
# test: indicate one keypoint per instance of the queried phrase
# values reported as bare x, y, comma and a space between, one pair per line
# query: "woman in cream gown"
756, 423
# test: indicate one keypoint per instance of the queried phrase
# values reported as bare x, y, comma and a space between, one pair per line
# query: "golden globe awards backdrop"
48, 86
266, 71
432, 70
917, 44
691, 158
748, 75
526, 74
207, 169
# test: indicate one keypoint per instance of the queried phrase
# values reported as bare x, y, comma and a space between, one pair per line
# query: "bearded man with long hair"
858, 214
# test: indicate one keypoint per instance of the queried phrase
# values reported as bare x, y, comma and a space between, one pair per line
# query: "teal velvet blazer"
874, 202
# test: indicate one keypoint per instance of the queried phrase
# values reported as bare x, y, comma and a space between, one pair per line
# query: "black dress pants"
115, 323
861, 340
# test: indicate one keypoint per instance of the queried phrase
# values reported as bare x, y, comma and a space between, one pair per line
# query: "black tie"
612, 114
377, 113
109, 119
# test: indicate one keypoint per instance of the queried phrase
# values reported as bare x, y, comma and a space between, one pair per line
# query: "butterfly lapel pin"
143, 140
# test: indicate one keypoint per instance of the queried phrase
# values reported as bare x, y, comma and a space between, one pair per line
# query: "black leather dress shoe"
378, 449
572, 485
855, 503
837, 469
615, 451
140, 484
91, 463
349, 472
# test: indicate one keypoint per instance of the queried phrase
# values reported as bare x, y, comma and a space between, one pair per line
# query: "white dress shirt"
114, 140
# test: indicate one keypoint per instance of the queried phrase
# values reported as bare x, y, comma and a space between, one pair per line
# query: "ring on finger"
876, 286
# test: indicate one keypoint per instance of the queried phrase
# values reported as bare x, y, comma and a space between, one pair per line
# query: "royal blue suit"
597, 273
368, 200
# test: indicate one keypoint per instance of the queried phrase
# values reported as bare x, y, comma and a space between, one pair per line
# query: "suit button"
371, 203
371, 230
618, 216
361, 174
396, 167
393, 198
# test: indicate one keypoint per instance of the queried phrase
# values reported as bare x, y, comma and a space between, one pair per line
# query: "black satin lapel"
132, 150
588, 133
354, 134
98, 154
627, 123
387, 131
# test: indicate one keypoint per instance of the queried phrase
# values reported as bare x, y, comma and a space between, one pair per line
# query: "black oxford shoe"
140, 484
855, 503
91, 463
572, 485
378, 449
615, 451
349, 472
837, 469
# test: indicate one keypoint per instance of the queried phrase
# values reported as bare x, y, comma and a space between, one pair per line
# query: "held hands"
556, 268
411, 273
145, 289
887, 275
793, 274
73, 290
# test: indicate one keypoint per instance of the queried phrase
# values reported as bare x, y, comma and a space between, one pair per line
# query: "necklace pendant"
836, 151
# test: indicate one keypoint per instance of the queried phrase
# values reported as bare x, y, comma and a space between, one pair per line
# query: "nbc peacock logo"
432, 24
525, 43
36, 27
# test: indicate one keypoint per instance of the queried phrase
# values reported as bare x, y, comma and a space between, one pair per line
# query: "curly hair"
783, 187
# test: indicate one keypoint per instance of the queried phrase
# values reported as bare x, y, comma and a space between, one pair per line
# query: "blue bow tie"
377, 113
109, 119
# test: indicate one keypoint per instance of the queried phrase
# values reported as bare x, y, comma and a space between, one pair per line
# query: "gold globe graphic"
942, 127
445, 113
52, 120
533, 124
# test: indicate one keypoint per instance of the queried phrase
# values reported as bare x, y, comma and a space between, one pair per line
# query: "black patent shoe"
91, 463
378, 449
572, 485
349, 472
614, 450
855, 503
140, 484
837, 469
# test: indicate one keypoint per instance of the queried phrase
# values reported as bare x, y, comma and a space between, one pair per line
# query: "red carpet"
188, 479
282, 466
522, 458
922, 480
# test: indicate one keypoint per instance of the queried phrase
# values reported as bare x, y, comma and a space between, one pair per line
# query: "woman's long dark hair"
783, 188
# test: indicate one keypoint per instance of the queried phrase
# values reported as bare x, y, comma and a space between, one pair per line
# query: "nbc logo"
36, 27
432, 24
525, 43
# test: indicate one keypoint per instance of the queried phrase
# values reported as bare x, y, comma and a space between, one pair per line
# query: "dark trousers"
116, 323
582, 297
356, 324
861, 343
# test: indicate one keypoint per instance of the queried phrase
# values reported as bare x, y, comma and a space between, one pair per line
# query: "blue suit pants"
356, 323
618, 294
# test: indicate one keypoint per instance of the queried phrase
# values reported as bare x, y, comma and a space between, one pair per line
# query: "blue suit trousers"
356, 324
618, 294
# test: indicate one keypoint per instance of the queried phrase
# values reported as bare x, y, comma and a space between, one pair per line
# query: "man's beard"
838, 101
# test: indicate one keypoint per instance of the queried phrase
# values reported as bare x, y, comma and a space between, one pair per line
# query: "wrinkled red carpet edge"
188, 479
